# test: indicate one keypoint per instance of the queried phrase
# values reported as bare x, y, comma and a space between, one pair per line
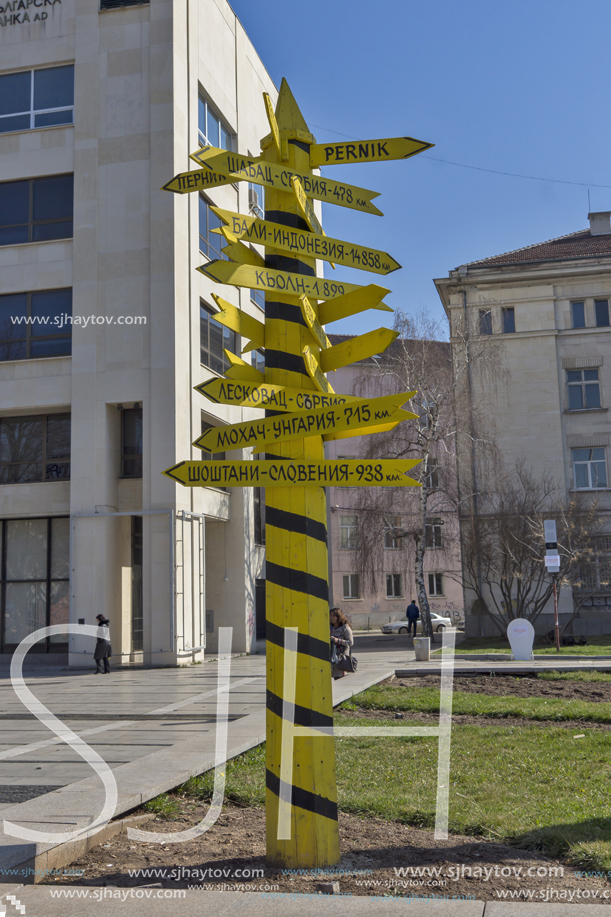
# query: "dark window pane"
485, 322
20, 439
57, 471
12, 350
575, 398
16, 235
60, 347
201, 116
132, 443
213, 135
509, 321
51, 308
599, 474
20, 474
16, 123
574, 375
14, 203
60, 548
592, 395
14, 306
49, 118
58, 436
602, 313
45, 232
54, 88
53, 198
15, 92
579, 318
590, 375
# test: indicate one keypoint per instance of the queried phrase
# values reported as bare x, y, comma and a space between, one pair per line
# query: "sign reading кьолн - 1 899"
325, 473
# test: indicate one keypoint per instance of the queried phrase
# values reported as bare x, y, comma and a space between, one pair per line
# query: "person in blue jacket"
413, 613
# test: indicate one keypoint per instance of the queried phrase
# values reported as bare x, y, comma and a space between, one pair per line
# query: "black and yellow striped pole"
296, 557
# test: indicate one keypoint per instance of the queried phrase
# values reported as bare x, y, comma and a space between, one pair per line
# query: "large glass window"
36, 98
215, 339
589, 468
212, 129
578, 314
34, 572
36, 209
34, 448
583, 388
211, 243
36, 325
348, 532
485, 321
601, 309
509, 320
131, 443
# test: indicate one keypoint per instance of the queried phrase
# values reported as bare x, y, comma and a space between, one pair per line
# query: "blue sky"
511, 86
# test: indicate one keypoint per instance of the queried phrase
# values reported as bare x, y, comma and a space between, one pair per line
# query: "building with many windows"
546, 307
106, 327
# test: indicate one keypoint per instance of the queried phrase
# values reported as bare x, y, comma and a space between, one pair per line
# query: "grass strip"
596, 646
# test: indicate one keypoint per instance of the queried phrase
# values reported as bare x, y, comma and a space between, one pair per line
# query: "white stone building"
547, 305
100, 105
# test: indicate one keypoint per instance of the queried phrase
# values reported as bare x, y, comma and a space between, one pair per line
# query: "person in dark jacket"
103, 649
341, 637
413, 613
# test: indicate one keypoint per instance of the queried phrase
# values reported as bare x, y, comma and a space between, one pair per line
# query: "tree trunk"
420, 539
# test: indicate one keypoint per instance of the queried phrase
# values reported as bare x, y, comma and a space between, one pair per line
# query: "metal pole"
556, 623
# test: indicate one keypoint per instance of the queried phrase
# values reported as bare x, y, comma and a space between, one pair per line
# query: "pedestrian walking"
103, 650
341, 639
412, 613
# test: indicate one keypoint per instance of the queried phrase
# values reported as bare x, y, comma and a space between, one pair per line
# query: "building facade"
350, 509
546, 309
106, 327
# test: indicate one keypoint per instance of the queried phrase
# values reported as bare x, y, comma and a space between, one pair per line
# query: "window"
214, 340
394, 586
589, 468
351, 586
256, 199
36, 325
35, 448
36, 210
433, 536
584, 389
212, 130
601, 308
259, 510
117, 4
211, 243
137, 622
257, 359
131, 443
485, 321
392, 526
431, 475
578, 314
211, 456
36, 98
596, 572
509, 321
435, 583
348, 532
258, 297
34, 581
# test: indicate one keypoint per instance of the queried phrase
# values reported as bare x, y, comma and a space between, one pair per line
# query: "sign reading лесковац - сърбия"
18, 12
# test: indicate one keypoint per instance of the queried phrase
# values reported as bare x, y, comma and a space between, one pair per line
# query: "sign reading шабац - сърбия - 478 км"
303, 412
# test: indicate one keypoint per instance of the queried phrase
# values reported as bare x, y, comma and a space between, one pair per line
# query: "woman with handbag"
342, 662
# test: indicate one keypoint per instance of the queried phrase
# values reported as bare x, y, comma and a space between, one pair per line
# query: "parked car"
400, 627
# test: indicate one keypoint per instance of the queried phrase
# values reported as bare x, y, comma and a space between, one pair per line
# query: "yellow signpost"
358, 415
302, 412
274, 235
277, 176
294, 473
330, 154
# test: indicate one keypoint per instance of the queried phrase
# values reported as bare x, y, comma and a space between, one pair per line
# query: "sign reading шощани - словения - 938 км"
18, 12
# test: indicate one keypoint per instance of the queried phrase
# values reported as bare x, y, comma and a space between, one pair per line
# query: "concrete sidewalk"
155, 728
47, 901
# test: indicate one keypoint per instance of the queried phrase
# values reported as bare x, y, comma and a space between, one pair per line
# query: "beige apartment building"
546, 307
106, 327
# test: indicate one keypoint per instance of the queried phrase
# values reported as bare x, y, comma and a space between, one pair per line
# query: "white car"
400, 627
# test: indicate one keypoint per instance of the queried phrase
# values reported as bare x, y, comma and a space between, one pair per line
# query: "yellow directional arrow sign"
247, 275
196, 181
281, 147
299, 242
327, 154
363, 413
314, 372
268, 395
313, 324
357, 348
239, 321
296, 473
241, 370
369, 297
238, 252
305, 205
277, 176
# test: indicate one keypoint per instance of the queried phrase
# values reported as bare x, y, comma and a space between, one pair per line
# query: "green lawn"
596, 646
426, 700
586, 676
